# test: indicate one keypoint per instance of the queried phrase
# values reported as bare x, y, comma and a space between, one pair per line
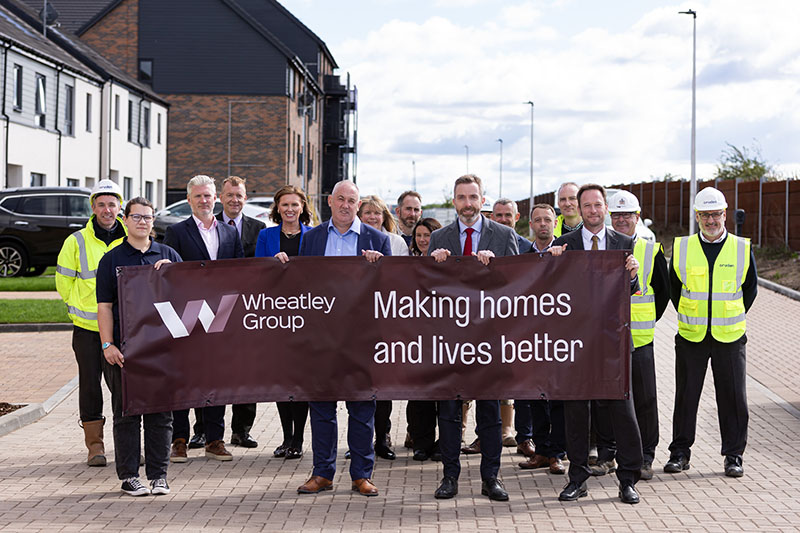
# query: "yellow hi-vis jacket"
76, 274
727, 303
643, 303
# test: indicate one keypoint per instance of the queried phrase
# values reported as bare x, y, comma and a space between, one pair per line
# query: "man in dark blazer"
233, 198
595, 236
471, 234
343, 235
202, 237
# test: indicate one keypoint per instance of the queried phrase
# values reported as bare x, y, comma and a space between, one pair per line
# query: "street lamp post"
501, 166
414, 174
693, 183
530, 204
466, 149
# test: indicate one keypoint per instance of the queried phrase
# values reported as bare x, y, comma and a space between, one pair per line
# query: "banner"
339, 328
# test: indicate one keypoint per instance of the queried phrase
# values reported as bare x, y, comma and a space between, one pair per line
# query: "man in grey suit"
618, 414
471, 234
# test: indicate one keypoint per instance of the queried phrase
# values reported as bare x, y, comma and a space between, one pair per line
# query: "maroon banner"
340, 328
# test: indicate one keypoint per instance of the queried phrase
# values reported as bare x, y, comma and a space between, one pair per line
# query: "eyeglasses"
138, 218
623, 216
716, 215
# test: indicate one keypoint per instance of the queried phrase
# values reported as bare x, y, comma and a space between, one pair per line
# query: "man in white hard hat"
647, 306
75, 281
713, 283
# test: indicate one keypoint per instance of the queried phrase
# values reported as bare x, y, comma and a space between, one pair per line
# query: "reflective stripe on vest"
83, 314
84, 273
643, 304
728, 321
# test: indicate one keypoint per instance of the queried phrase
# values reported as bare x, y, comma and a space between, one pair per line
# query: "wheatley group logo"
196, 310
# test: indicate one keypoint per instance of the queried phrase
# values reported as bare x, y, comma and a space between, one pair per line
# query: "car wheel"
32, 272
13, 261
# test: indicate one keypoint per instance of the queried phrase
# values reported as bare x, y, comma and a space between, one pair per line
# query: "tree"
738, 163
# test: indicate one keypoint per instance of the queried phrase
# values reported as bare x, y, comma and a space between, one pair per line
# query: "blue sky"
610, 81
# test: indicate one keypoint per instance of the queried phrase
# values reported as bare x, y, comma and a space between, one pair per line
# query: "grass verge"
45, 282
33, 311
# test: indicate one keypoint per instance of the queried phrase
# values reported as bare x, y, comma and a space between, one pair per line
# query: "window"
78, 206
290, 83
116, 112
146, 128
146, 70
148, 190
41, 205
17, 88
69, 110
88, 111
37, 180
158, 128
127, 187
41, 101
130, 121
72, 182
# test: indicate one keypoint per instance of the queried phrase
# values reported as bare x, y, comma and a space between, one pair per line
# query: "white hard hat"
488, 205
623, 202
709, 199
106, 187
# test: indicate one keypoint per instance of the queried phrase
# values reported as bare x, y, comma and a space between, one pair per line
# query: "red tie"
468, 241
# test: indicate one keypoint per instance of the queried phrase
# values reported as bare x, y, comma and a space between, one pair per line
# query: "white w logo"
196, 309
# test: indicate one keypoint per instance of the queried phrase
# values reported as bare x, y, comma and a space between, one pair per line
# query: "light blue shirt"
342, 245
476, 235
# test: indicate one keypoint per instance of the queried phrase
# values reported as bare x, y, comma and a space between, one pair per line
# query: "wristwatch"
106, 345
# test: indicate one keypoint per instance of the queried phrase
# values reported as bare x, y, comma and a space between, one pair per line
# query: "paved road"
45, 485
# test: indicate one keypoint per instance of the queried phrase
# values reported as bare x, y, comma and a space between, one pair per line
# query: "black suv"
34, 222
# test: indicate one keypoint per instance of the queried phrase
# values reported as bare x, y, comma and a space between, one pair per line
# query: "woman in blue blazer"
290, 211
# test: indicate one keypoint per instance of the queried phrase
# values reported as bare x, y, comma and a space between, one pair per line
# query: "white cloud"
611, 105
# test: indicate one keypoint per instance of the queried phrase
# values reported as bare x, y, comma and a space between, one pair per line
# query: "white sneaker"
134, 487
159, 486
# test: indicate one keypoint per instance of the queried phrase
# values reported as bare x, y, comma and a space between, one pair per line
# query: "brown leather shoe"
537, 461
216, 450
557, 466
365, 487
475, 447
178, 452
314, 485
526, 448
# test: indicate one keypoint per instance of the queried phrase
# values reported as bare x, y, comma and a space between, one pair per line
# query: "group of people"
711, 280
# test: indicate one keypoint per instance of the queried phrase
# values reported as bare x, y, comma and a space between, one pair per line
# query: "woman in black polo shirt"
136, 249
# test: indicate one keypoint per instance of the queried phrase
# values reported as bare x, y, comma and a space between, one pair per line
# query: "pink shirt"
209, 236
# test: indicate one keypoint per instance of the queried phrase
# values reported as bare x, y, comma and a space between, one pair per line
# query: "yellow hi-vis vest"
559, 229
643, 303
76, 274
727, 302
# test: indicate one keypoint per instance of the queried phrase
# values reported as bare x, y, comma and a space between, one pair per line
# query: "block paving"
47, 487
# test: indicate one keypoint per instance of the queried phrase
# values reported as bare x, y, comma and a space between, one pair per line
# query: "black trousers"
487, 415
728, 365
645, 403
383, 424
577, 417
213, 423
89, 355
422, 423
244, 415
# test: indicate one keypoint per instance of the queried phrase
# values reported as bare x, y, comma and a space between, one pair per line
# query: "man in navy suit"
472, 234
202, 237
343, 235
594, 235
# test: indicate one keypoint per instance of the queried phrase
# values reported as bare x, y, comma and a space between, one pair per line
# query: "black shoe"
347, 454
293, 453
280, 451
382, 450
573, 491
244, 440
493, 488
676, 464
436, 456
733, 466
447, 489
421, 455
628, 494
197, 441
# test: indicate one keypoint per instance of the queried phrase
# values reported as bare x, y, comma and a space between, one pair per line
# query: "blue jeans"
325, 434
